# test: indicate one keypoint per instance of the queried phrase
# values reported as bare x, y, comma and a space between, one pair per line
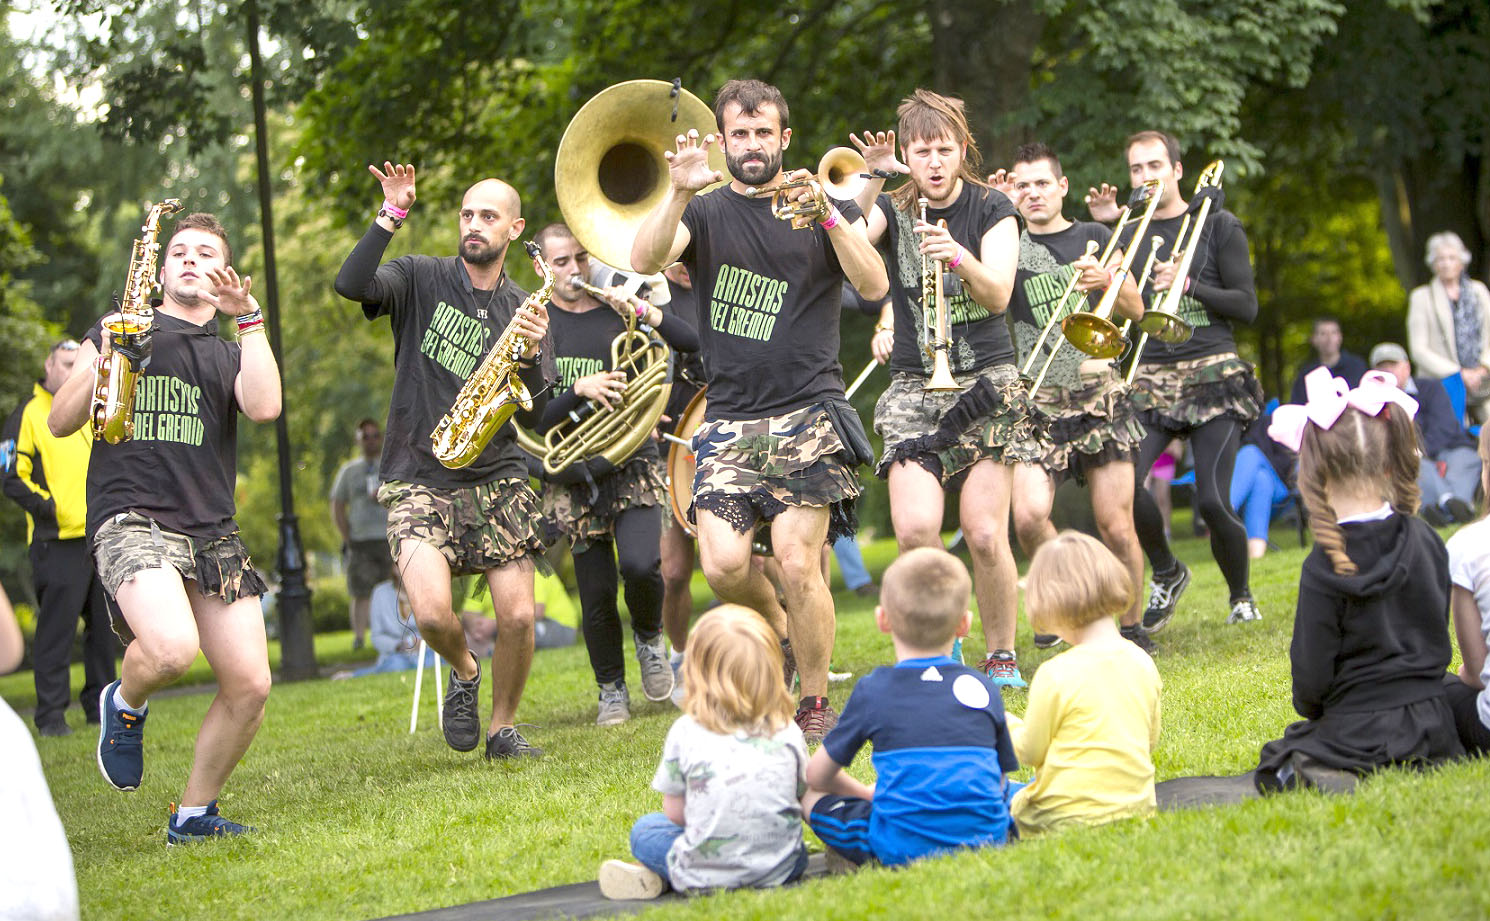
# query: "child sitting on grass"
941, 747
1469, 567
1370, 635
731, 776
1093, 715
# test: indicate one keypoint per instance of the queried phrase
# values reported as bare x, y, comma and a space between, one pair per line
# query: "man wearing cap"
1449, 469
47, 476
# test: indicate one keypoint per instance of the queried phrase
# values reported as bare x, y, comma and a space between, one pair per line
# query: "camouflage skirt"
475, 528
130, 543
947, 432
753, 469
584, 513
1178, 398
1086, 428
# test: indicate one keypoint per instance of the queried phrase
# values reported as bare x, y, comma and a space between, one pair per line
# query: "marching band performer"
780, 442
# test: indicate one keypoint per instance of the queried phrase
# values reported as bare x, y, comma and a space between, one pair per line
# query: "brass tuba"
493, 392
609, 173
123, 360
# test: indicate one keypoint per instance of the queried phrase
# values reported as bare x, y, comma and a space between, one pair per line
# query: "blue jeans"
396, 662
1255, 489
850, 562
653, 835
1460, 477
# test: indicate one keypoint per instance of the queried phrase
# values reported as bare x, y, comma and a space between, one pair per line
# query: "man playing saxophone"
614, 518
483, 517
160, 518
969, 437
768, 326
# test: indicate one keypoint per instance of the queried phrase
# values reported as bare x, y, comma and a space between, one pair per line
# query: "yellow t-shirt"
1089, 729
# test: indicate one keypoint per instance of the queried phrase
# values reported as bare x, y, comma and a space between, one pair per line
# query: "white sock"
188, 812
676, 658
119, 702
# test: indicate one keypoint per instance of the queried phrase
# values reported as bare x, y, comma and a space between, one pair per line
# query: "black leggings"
638, 535
1215, 445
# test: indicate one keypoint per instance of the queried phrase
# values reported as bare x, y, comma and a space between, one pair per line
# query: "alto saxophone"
122, 360
493, 392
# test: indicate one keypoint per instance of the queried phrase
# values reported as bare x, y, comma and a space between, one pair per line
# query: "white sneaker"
657, 673
615, 705
678, 693
1243, 611
627, 881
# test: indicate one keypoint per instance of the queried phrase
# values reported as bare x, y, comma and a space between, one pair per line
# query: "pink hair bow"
1328, 398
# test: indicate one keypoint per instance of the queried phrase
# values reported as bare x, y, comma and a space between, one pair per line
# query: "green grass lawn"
358, 819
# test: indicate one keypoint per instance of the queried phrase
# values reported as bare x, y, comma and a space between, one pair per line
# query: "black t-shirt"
1221, 291
181, 465
767, 304
1044, 272
443, 329
980, 337
688, 367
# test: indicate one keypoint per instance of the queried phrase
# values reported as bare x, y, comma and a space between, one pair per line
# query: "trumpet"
840, 174
937, 331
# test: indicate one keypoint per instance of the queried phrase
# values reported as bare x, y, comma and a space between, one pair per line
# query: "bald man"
483, 518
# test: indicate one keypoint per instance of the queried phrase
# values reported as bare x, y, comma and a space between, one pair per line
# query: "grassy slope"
359, 819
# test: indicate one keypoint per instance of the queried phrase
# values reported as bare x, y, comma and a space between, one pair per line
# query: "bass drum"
680, 461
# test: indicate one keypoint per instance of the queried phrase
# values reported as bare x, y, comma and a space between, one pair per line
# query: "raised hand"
1102, 202
397, 180
1003, 180
604, 387
230, 294
688, 166
878, 148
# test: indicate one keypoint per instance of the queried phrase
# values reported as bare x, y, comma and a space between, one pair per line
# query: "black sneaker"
121, 743
1135, 634
1164, 596
1047, 640
1435, 516
460, 720
202, 827
509, 743
1462, 512
1243, 610
56, 727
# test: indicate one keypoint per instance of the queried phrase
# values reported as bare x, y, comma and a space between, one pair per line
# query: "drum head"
681, 464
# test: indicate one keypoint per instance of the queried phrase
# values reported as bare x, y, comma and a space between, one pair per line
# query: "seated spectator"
1469, 570
1326, 339
1260, 482
1448, 323
394, 633
1449, 470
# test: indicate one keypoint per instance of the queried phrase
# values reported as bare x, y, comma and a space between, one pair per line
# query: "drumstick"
678, 441
859, 381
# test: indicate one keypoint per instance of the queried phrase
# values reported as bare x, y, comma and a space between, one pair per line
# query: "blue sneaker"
121, 737
1002, 669
202, 827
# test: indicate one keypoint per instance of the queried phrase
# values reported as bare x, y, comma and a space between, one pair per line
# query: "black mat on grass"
1187, 792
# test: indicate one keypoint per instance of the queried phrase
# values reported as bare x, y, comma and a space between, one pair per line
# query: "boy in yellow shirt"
1093, 714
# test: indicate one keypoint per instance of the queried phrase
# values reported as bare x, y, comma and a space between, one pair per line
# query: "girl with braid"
1371, 633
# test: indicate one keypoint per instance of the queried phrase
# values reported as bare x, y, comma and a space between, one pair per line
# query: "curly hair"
1368, 452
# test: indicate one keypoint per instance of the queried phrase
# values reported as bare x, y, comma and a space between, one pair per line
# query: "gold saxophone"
123, 358
493, 392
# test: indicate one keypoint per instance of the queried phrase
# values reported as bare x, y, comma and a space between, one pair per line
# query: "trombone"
1091, 331
936, 331
840, 174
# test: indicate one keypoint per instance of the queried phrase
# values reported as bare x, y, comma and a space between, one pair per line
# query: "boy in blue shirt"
941, 745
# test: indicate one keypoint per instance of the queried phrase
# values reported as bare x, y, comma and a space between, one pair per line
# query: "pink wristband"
641, 309
399, 213
957, 260
832, 220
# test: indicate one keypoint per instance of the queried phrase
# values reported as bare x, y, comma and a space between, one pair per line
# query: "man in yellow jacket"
47, 476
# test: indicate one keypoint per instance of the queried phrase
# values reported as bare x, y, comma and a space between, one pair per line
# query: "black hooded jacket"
1377, 639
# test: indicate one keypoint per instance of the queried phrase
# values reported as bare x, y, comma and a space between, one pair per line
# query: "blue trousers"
1255, 489
850, 562
653, 835
1460, 477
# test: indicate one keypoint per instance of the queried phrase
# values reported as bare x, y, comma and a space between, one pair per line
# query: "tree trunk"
984, 52
1428, 193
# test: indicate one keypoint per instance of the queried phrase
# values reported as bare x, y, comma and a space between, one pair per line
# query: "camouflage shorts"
584, 513
752, 469
1178, 398
1088, 427
130, 543
947, 432
476, 528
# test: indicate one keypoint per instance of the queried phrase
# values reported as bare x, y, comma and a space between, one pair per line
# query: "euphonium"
123, 359
494, 391
840, 174
937, 325
595, 437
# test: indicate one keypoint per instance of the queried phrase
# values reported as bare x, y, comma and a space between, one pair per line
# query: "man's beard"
767, 166
481, 254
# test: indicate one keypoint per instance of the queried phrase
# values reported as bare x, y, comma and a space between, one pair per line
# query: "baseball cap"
1387, 351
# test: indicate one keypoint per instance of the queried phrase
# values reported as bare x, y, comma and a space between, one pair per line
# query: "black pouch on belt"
850, 429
